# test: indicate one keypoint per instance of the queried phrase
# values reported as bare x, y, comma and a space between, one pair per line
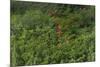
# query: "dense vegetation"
47, 33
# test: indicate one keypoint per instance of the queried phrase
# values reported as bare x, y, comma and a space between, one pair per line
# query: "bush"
34, 38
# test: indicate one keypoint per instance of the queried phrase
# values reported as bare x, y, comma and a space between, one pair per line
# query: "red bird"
58, 30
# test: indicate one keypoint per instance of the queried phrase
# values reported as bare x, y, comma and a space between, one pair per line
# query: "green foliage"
34, 37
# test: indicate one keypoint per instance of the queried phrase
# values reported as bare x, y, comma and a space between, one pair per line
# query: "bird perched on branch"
53, 15
58, 29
